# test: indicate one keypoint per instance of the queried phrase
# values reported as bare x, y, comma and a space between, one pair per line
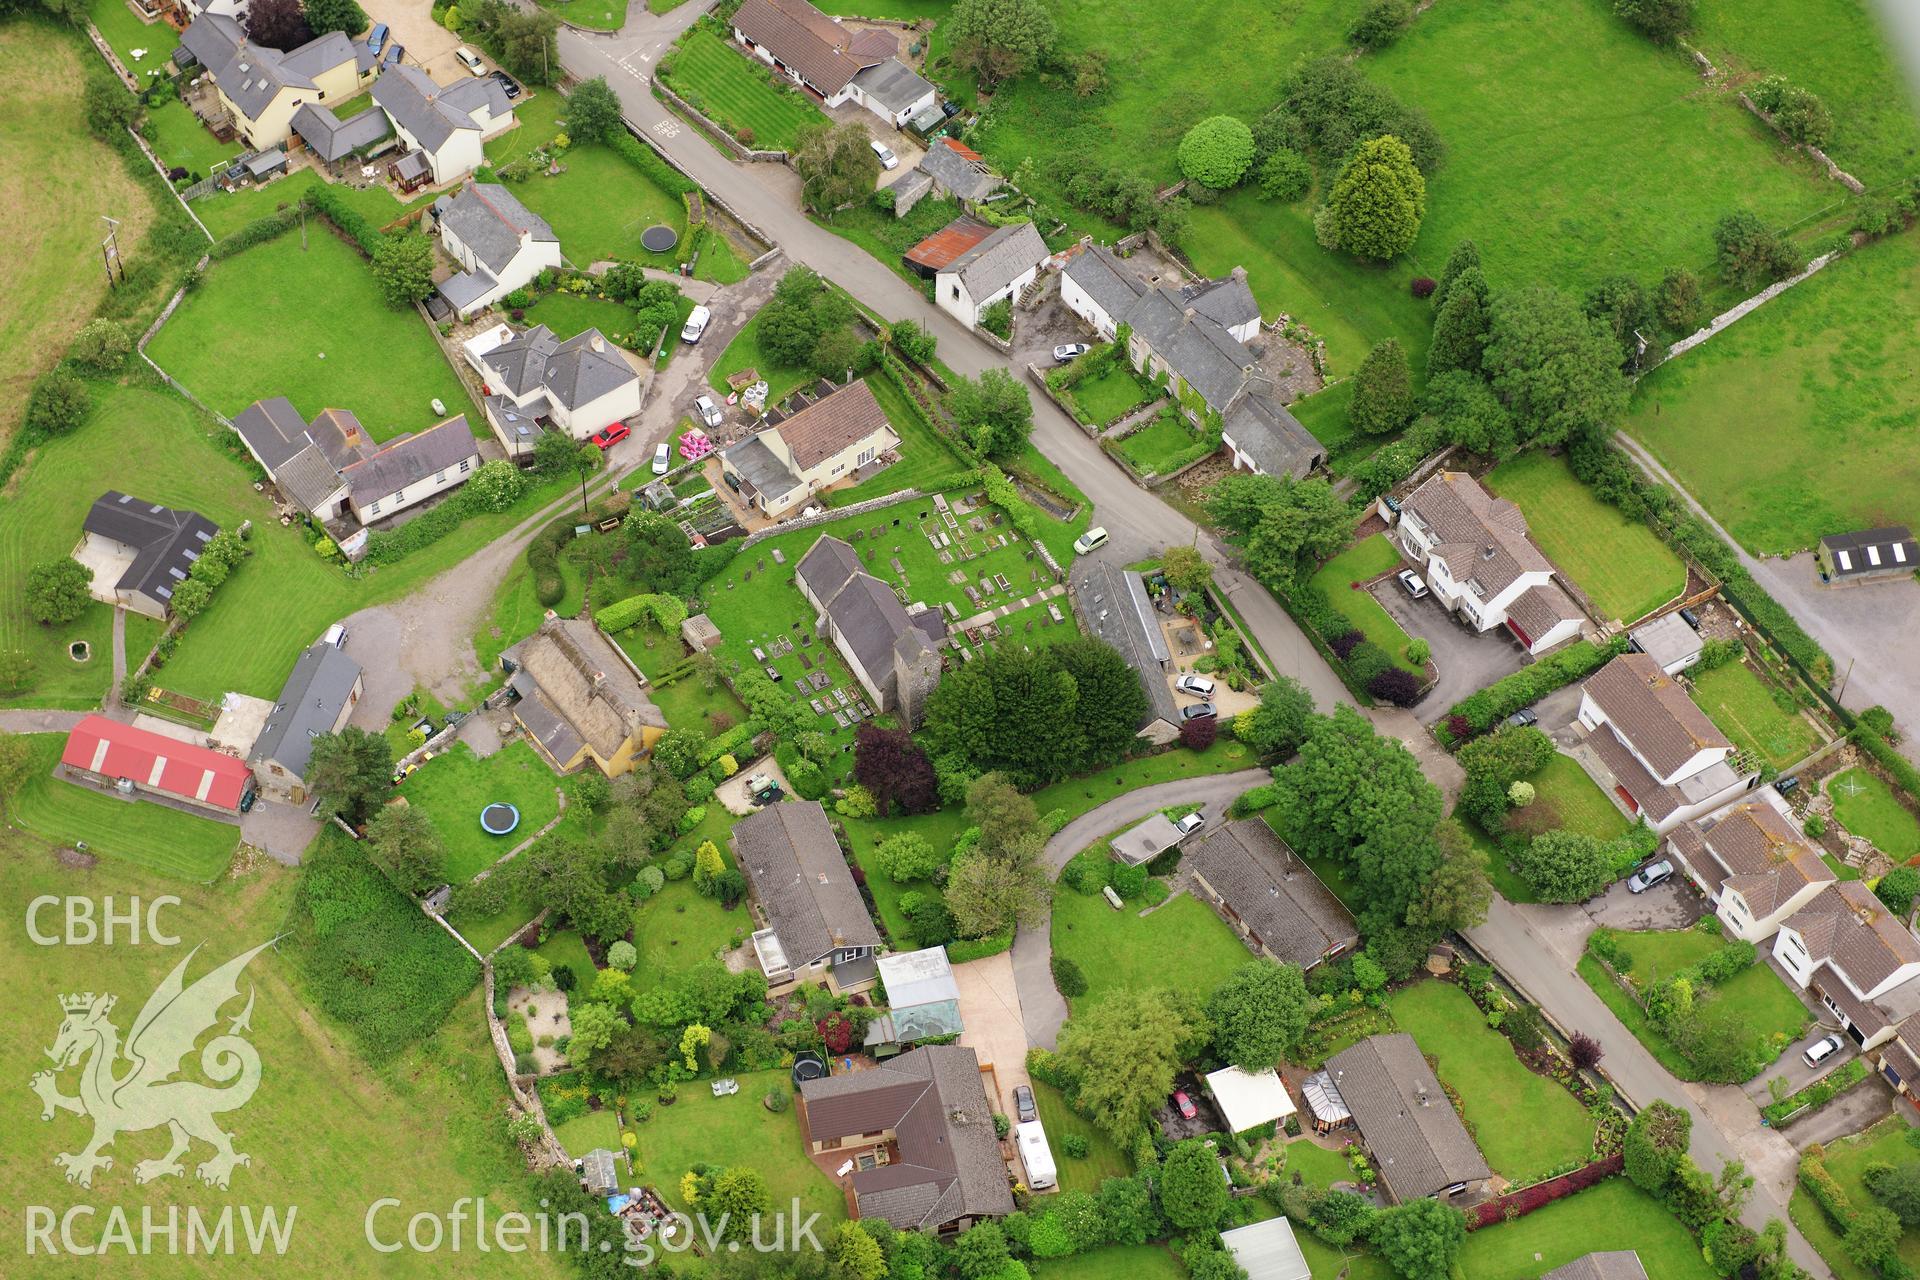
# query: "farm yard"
1619, 562
737, 92
1826, 365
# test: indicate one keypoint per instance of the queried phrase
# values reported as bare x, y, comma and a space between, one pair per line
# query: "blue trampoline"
498, 819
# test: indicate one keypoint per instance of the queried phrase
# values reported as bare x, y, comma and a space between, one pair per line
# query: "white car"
1412, 582
708, 410
1198, 686
1820, 1050
1191, 823
888, 160
661, 459
1089, 540
697, 321
471, 61
1067, 352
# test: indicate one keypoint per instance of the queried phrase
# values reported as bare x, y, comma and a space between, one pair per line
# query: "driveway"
283, 830
991, 1024
429, 45
1792, 1068
1468, 661
1864, 1104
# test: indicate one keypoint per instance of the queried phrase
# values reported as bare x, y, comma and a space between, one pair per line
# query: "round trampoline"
498, 819
807, 1067
659, 238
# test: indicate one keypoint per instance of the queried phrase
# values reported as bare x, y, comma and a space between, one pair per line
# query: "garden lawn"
598, 15
452, 789
744, 352
1163, 445
537, 118
570, 313
1135, 1261
1619, 562
1361, 563
1103, 1159
51, 277
1736, 699
1526, 1125
736, 1130
1107, 397
601, 204
1614, 1215
1318, 1166
737, 92
676, 928
926, 459
566, 948
178, 138
1182, 945
589, 1132
1827, 365
1583, 807
175, 844
1868, 808
315, 329
1847, 1160
124, 31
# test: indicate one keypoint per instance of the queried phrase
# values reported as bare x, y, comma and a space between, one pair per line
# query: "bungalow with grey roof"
410, 469
1112, 603
995, 270
259, 88
1419, 1145
499, 243
816, 923
447, 124
317, 698
1615, 1264
1271, 897
580, 384
893, 651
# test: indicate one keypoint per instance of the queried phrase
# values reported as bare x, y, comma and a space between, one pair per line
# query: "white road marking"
667, 128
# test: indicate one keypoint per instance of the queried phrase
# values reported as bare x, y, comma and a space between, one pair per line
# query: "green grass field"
1614, 1215
174, 844
1867, 807
1828, 365
736, 91
568, 313
1161, 446
316, 331
452, 789
52, 279
737, 1130
1135, 1261
744, 352
596, 15
329, 1133
1525, 1124
1363, 562
1847, 1160
1746, 712
1103, 1159
1181, 944
1622, 566
1582, 806
589, 1132
601, 204
1104, 399
925, 456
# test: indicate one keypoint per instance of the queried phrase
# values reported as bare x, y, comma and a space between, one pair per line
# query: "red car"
612, 436
1182, 1101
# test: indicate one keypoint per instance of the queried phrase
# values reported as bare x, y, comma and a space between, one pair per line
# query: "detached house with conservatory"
1479, 562
1653, 749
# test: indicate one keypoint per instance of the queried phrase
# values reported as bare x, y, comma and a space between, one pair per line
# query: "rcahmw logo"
130, 1087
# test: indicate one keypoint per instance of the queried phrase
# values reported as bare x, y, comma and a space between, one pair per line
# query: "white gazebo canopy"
1249, 1100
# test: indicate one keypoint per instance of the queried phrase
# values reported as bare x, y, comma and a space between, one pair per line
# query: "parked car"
1069, 351
508, 85
395, 52
1091, 540
1822, 1049
607, 437
1520, 719
1198, 686
336, 636
888, 160
1191, 823
708, 410
661, 458
1786, 785
1691, 617
377, 38
1182, 1101
697, 321
471, 61
1199, 711
1023, 1108
1415, 585
1648, 876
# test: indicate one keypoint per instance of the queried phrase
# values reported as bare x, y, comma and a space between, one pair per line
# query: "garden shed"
700, 633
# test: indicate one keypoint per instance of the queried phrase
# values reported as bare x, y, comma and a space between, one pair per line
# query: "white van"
1036, 1156
1091, 540
695, 326
336, 636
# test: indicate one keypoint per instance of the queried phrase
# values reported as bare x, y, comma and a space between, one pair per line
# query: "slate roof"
1147, 841
433, 113
1266, 431
999, 260
309, 705
1419, 1145
1757, 853
835, 422
803, 38
1620, 1264
1867, 551
1213, 362
761, 467
156, 761
573, 372
490, 220
303, 460
1541, 608
1651, 711
959, 169
584, 691
869, 618
1111, 286
802, 881
166, 541
892, 83
402, 462
274, 430
1112, 604
331, 138
1276, 894
1846, 926
251, 75
949, 1164
1480, 537
941, 249
1228, 301
828, 563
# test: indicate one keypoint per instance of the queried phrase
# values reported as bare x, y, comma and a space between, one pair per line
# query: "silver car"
1069, 351
1198, 686
1648, 876
708, 410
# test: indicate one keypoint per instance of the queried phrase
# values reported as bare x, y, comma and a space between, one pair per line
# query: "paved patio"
993, 1028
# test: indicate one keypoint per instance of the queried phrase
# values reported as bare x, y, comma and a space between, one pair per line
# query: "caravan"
1036, 1156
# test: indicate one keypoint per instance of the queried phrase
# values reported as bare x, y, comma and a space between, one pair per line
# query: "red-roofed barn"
123, 756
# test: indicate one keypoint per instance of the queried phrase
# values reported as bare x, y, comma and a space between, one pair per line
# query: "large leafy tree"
907, 855
1565, 866
1015, 710
1002, 814
1557, 368
1457, 894
16, 766
1125, 1051
60, 400
987, 895
1751, 252
1621, 303
891, 765
1375, 206
1471, 414
1460, 326
1655, 1143
403, 267
529, 46
836, 164
1420, 1239
994, 410
352, 772
1382, 391
593, 112
1258, 1014
1492, 764
1109, 700
659, 557
1290, 524
57, 590
1464, 257
403, 843
335, 15
1279, 724
1193, 1195
1217, 152
569, 877
1360, 799
1000, 39
278, 24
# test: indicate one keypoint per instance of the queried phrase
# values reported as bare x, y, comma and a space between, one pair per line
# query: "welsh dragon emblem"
127, 1088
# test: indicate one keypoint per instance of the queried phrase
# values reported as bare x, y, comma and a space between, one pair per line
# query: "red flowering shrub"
1423, 286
